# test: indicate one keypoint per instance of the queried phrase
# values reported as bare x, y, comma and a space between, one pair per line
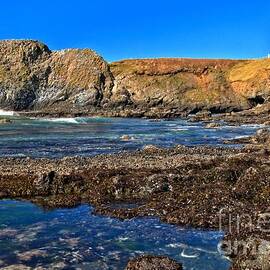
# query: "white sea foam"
183, 254
241, 136
253, 125
63, 120
194, 249
7, 113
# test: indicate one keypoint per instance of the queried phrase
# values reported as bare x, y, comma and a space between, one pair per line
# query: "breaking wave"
75, 120
7, 113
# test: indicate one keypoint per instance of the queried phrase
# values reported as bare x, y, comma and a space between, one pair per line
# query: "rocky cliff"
192, 85
34, 78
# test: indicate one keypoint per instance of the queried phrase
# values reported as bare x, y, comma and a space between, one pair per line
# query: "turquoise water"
55, 138
77, 239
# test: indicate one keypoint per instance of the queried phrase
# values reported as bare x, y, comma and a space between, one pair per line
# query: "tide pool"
77, 239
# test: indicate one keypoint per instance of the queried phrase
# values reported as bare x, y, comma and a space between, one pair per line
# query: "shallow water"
78, 239
91, 136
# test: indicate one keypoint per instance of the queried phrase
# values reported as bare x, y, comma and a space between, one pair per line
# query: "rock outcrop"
34, 78
192, 85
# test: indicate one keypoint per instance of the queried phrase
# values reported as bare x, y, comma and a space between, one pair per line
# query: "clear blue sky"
141, 29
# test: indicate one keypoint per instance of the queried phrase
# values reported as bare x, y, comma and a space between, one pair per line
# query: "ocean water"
56, 138
77, 239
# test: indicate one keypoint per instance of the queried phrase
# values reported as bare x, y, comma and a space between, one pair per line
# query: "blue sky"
143, 29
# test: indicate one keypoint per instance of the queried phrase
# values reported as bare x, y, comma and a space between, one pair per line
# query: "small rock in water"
5, 121
153, 263
212, 125
126, 138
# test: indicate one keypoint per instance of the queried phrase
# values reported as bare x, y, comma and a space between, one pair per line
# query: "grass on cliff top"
249, 70
123, 67
163, 66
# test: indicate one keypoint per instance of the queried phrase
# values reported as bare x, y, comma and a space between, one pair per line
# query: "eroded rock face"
191, 84
79, 79
20, 72
32, 77
153, 263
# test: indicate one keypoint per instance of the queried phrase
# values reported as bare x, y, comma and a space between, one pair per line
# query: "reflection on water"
90, 136
80, 240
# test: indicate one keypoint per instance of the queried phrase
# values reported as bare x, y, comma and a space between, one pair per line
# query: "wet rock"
16, 267
153, 263
126, 138
264, 254
267, 123
150, 148
259, 141
29, 255
203, 114
248, 183
55, 266
5, 121
44, 181
200, 116
156, 183
262, 136
213, 125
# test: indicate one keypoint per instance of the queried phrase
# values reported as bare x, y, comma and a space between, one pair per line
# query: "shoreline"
186, 186
256, 115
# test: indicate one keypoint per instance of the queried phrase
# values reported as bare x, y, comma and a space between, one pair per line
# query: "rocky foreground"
80, 82
198, 186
